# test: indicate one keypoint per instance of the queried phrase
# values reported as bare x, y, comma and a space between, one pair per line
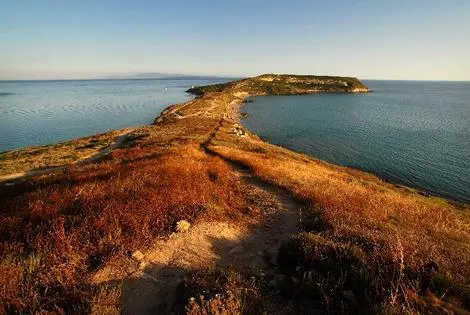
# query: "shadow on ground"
250, 250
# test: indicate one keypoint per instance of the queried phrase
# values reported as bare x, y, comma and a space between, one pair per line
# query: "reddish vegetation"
56, 230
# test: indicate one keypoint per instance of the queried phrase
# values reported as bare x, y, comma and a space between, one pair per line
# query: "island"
196, 214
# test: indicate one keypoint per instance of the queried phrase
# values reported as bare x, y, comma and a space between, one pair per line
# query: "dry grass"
400, 233
17, 162
57, 230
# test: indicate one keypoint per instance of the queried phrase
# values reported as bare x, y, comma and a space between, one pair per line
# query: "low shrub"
219, 292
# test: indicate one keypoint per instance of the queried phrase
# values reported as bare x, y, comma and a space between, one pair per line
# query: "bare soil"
250, 248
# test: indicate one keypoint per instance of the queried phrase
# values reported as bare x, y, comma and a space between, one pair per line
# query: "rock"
143, 265
238, 131
182, 226
138, 255
243, 115
424, 193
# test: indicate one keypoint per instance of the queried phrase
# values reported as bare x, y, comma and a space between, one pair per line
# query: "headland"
270, 230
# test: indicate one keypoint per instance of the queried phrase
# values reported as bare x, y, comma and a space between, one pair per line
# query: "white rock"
138, 255
143, 265
182, 226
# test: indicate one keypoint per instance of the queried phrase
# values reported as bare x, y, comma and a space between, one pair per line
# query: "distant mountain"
160, 75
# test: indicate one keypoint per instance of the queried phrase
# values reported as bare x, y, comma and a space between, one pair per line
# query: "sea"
406, 132
44, 112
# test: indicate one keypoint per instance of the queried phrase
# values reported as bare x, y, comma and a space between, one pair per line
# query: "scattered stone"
424, 193
182, 226
138, 255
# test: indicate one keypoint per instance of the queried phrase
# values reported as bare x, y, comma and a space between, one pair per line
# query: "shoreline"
386, 179
172, 112
235, 114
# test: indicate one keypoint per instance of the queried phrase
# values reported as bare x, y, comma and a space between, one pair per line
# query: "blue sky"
412, 39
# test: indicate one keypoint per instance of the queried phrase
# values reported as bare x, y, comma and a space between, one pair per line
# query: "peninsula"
195, 214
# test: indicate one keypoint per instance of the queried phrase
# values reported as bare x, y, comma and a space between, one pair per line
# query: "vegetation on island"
71, 241
271, 84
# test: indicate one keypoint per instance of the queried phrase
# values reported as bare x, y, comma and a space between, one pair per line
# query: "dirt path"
214, 244
105, 151
248, 248
10, 179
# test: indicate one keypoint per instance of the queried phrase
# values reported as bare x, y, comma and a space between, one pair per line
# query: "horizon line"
194, 76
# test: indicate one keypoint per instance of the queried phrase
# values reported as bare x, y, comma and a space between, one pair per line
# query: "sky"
370, 39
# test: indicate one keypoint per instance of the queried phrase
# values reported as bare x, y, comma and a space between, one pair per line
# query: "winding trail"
251, 248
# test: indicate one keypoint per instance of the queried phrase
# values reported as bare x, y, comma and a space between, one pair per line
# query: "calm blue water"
413, 133
44, 112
